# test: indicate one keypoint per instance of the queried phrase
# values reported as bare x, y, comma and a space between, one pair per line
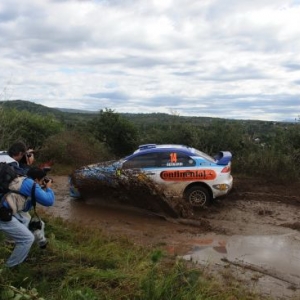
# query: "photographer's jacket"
21, 201
19, 169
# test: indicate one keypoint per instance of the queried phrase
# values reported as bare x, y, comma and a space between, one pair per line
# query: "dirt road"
253, 234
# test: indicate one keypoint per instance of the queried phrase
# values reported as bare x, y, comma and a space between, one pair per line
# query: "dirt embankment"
256, 215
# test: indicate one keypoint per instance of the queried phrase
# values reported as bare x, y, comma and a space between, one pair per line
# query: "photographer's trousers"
23, 238
17, 230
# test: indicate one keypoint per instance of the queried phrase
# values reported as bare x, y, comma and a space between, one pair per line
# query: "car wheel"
198, 196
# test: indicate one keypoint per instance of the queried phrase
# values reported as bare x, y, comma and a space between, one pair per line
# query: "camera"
40, 238
36, 226
29, 153
47, 179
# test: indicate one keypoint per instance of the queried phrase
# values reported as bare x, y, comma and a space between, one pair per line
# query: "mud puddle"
275, 257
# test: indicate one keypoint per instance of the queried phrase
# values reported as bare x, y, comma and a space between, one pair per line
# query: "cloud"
116, 96
227, 59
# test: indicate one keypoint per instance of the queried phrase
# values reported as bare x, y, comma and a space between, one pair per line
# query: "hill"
66, 116
71, 116
31, 107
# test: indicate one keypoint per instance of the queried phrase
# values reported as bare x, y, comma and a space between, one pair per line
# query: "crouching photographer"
31, 189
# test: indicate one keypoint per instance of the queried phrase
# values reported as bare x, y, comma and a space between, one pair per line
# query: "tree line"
267, 149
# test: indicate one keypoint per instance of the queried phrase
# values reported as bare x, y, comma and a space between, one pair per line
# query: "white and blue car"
180, 171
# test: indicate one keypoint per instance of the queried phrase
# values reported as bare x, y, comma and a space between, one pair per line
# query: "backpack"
7, 175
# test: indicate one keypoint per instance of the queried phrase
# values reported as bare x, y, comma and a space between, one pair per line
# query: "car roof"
154, 148
148, 148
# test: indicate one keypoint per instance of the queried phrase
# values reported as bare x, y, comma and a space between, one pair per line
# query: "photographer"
19, 157
21, 203
27, 160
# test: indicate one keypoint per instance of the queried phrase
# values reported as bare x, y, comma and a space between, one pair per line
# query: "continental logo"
180, 175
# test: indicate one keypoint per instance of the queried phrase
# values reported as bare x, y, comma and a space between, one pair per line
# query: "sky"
234, 59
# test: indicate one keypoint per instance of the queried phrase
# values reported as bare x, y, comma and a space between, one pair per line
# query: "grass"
84, 263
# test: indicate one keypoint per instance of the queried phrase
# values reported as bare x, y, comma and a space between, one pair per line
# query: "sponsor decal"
174, 164
187, 175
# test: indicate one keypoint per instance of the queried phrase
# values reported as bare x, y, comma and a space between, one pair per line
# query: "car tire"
198, 196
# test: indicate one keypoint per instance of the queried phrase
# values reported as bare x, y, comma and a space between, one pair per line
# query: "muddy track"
269, 197
253, 211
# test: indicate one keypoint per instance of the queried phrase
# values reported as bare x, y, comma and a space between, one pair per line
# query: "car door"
166, 168
171, 174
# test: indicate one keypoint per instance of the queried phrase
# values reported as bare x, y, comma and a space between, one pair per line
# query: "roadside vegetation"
270, 150
83, 263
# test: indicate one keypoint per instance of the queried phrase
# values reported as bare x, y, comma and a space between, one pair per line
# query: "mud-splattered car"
179, 171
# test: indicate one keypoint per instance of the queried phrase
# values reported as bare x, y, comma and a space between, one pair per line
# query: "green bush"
31, 128
116, 132
73, 148
270, 164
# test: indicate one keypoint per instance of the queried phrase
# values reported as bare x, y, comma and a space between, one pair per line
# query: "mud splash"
129, 188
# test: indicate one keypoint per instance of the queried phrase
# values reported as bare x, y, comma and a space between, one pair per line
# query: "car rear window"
176, 159
204, 155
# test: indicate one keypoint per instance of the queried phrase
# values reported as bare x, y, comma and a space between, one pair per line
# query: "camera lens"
47, 179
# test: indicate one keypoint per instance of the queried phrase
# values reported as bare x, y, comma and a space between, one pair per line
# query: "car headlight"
221, 186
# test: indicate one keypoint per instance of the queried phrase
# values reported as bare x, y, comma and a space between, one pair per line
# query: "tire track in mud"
266, 197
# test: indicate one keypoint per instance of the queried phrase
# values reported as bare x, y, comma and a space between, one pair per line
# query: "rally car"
180, 171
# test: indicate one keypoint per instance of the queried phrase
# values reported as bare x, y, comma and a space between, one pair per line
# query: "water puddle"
277, 256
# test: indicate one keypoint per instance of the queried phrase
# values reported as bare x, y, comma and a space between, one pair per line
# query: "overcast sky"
236, 59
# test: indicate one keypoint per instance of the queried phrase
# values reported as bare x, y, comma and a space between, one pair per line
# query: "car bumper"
222, 188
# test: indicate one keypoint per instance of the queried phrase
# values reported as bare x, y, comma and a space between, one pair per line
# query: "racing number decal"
174, 161
187, 175
173, 157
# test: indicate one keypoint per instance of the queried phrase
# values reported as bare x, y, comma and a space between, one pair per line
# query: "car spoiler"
223, 157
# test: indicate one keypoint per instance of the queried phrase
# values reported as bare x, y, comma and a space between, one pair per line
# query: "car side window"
176, 159
147, 160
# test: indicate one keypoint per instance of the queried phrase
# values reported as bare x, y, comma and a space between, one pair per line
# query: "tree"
119, 134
